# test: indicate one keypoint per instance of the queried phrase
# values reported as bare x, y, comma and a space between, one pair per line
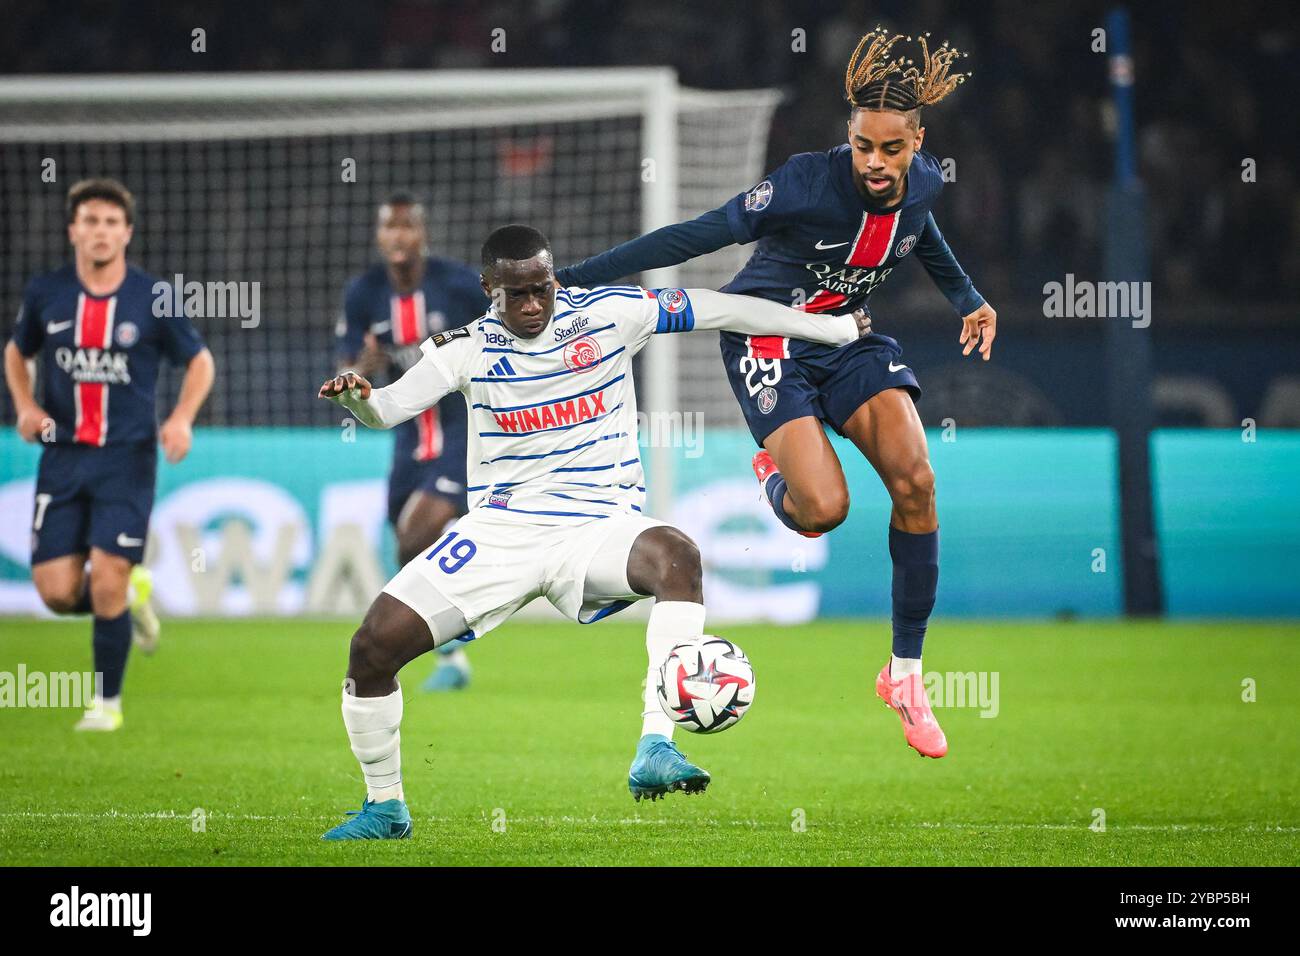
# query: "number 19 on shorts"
454, 555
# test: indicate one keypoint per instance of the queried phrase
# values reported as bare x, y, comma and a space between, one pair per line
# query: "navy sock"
112, 644
916, 578
774, 488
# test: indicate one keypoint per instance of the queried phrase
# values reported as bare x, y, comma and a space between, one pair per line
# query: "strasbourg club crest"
582, 355
672, 300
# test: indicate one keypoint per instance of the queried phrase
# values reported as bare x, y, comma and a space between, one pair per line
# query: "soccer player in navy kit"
388, 311
92, 327
830, 227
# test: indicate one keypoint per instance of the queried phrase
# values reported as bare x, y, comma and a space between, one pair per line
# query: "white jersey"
553, 442
553, 419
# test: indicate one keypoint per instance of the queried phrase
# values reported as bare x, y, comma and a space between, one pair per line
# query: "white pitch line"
638, 821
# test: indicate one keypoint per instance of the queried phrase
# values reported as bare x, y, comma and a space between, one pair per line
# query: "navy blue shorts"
827, 383
443, 476
93, 497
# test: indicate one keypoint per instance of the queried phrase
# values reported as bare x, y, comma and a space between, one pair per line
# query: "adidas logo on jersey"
567, 412
501, 368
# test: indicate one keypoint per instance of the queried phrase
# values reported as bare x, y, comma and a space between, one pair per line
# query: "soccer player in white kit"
555, 494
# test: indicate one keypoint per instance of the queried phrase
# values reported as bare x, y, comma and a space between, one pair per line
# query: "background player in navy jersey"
388, 311
830, 228
92, 327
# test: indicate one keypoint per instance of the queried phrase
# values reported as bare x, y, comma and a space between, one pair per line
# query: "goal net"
271, 182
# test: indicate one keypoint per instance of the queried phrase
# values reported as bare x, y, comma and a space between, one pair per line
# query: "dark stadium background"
1029, 135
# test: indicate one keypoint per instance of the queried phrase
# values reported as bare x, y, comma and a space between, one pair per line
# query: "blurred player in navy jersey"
98, 340
830, 227
388, 311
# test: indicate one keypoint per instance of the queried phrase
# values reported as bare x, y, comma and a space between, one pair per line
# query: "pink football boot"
908, 698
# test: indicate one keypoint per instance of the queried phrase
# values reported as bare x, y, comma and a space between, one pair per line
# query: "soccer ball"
706, 685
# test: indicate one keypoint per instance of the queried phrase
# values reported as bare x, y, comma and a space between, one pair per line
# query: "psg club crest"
767, 399
905, 246
758, 197
582, 355
126, 334
672, 300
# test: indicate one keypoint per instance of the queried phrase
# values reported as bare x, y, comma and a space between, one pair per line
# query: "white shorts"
493, 562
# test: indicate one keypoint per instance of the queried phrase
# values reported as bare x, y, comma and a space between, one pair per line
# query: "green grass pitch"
241, 720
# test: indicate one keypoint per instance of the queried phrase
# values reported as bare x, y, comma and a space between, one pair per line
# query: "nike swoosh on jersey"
821, 244
124, 542
56, 327
896, 368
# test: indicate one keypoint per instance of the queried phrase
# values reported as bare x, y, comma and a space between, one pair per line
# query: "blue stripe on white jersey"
559, 451
558, 514
556, 428
600, 292
563, 371
549, 401
603, 328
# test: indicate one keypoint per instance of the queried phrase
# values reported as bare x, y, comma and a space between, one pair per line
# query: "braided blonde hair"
876, 80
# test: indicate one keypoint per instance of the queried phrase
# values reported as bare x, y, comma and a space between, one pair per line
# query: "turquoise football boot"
446, 677
659, 768
452, 672
389, 820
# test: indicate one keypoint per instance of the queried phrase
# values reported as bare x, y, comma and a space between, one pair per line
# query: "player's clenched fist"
864, 323
343, 382
31, 422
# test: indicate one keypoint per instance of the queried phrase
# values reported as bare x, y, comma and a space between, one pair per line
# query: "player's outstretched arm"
753, 316
979, 320
423, 385
664, 247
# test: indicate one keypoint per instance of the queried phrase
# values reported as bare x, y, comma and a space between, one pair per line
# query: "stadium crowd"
1032, 150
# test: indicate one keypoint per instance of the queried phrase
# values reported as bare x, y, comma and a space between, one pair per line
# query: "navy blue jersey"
823, 248
99, 354
448, 296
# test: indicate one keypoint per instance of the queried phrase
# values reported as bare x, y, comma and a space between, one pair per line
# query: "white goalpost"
247, 178
273, 179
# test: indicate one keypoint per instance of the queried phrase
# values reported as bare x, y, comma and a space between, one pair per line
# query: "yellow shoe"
100, 718
145, 627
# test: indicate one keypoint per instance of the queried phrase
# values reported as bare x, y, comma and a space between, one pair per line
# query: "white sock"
457, 658
671, 622
112, 703
373, 725
900, 667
